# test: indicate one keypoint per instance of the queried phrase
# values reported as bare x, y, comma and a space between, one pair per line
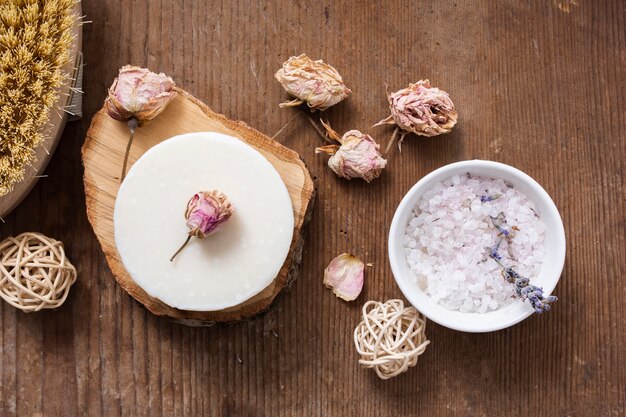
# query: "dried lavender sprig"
486, 198
494, 251
523, 288
498, 221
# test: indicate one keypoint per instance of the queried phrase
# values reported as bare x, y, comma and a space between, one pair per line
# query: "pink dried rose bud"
137, 96
315, 83
206, 212
421, 109
357, 157
139, 93
344, 275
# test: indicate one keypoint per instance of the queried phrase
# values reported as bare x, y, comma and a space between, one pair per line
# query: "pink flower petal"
344, 275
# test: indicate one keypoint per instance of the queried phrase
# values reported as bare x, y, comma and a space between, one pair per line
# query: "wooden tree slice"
103, 153
56, 123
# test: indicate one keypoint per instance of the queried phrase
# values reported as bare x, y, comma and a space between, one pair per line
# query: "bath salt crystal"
454, 228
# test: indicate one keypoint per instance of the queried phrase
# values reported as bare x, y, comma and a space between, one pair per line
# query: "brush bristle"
35, 42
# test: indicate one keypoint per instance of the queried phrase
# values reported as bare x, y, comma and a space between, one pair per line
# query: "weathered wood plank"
540, 85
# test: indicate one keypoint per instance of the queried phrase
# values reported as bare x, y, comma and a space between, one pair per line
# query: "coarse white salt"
453, 230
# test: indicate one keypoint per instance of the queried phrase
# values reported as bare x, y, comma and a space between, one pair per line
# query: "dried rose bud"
136, 96
139, 93
315, 83
421, 109
344, 275
357, 157
205, 213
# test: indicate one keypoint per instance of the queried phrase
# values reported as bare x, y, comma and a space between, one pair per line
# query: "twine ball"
390, 337
34, 272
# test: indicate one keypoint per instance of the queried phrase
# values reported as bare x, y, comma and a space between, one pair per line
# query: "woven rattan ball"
390, 337
34, 272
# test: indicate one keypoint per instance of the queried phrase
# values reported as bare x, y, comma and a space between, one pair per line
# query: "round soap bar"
225, 268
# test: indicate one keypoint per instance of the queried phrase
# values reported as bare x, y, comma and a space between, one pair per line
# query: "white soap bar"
231, 265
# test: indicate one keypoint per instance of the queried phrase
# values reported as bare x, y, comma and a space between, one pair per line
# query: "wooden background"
538, 84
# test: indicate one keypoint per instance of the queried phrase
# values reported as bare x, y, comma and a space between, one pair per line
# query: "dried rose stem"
316, 127
181, 248
392, 140
133, 123
283, 128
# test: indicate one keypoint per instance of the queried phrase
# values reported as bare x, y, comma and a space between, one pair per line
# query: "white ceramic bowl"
516, 311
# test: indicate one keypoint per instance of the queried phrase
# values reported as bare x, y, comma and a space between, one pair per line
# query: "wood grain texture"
540, 85
103, 153
53, 130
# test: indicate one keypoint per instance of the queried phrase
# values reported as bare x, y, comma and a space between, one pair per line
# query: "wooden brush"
35, 42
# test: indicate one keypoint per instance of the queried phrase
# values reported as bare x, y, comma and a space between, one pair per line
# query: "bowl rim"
396, 228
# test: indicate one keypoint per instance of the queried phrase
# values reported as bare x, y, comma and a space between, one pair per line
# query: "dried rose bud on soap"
357, 157
136, 96
421, 109
139, 93
344, 275
206, 212
315, 83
